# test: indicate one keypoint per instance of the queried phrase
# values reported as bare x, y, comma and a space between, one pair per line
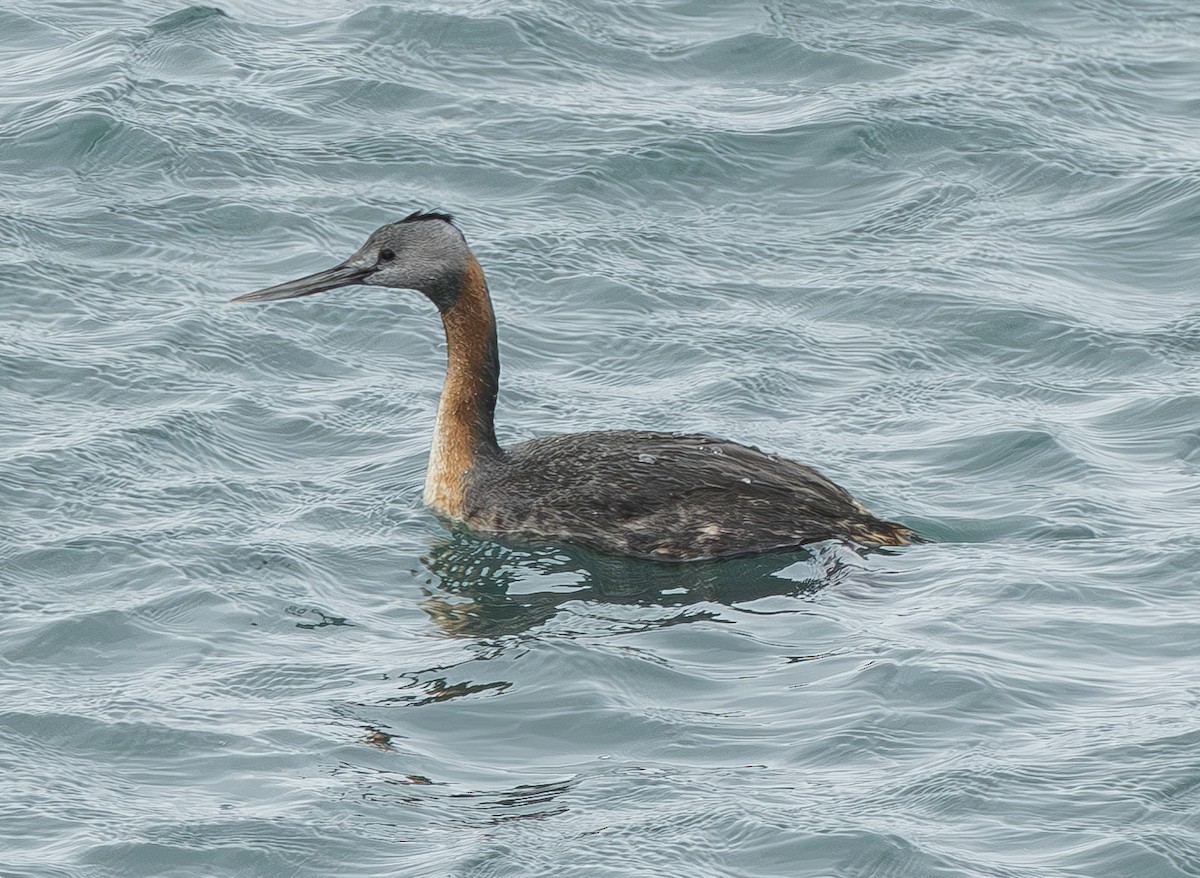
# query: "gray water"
943, 251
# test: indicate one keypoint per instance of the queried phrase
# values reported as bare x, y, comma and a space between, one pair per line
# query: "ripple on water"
943, 254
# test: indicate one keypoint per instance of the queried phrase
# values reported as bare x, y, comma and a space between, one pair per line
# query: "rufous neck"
465, 428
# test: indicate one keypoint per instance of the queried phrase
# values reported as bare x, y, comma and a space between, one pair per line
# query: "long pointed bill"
331, 278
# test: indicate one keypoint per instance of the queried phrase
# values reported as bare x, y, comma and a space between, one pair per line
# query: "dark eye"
387, 254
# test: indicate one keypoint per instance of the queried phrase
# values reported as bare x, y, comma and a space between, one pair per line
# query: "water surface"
943, 251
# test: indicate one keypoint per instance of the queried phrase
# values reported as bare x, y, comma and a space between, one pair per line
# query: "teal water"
944, 251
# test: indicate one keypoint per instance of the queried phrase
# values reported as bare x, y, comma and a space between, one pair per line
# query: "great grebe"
663, 496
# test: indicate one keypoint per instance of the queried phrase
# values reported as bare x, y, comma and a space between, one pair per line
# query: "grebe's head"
423, 252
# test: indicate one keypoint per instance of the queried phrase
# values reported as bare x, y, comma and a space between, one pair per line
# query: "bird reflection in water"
493, 592
484, 588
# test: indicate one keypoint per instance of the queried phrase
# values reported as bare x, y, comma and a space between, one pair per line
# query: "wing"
660, 495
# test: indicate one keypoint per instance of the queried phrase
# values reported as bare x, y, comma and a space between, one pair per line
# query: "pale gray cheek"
415, 279
424, 275
408, 278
